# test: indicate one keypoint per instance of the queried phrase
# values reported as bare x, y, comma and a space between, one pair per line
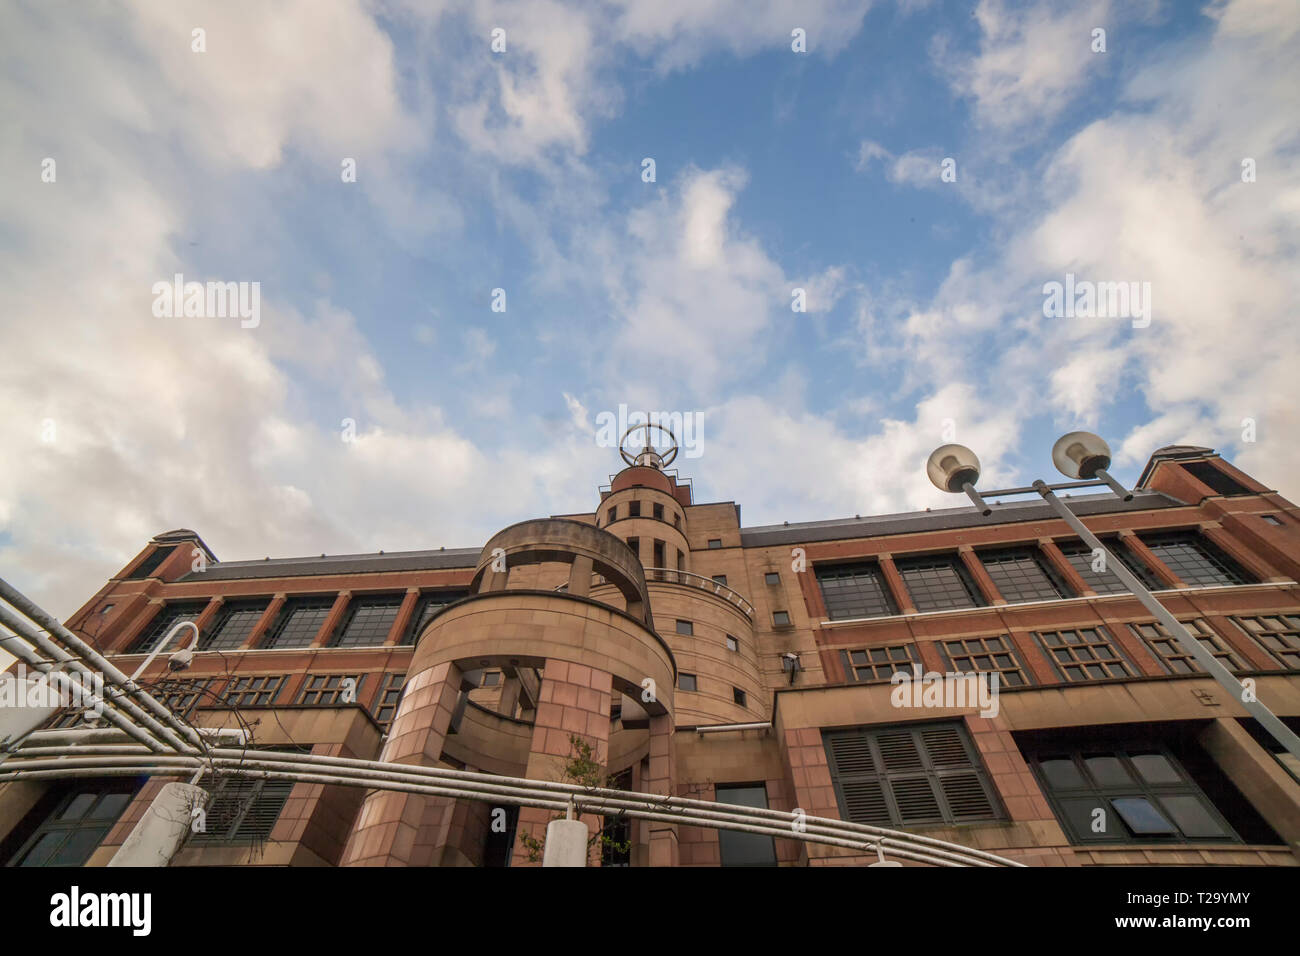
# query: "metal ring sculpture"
664, 459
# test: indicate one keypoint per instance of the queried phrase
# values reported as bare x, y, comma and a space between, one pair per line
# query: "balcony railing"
691, 579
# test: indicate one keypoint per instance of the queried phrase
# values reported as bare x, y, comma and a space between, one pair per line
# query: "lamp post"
1086, 456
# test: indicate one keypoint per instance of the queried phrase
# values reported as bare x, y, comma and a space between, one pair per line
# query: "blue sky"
521, 170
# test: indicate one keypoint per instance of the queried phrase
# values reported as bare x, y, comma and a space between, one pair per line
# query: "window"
390, 695
1279, 634
1020, 574
244, 809
635, 545
611, 516
1274, 520
772, 578
634, 509
368, 621
685, 627
1138, 794
658, 555
491, 678
150, 564
732, 643
234, 623
1168, 649
738, 696
1218, 480
76, 825
253, 691
873, 664
720, 579
182, 695
658, 512
1105, 582
1084, 654
687, 682
715, 543
1195, 559
855, 590
939, 582
781, 618
329, 690
986, 655
677, 520
737, 848
164, 621
909, 775
430, 604
300, 621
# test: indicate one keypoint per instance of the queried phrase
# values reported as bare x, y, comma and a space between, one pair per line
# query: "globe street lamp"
955, 468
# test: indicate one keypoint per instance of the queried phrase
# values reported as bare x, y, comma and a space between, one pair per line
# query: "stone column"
575, 702
389, 822
661, 779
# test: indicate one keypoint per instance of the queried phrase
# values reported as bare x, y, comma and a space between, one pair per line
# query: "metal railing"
691, 579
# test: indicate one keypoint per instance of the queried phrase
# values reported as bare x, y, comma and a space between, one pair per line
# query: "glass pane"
1142, 818
80, 845
110, 806
1107, 771
745, 849
1061, 773
40, 854
1155, 768
1192, 817
77, 808
1081, 814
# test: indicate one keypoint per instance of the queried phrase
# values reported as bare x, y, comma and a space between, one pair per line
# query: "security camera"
180, 660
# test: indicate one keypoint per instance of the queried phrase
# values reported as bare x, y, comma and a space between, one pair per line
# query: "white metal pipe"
62, 656
722, 728
821, 830
28, 656
523, 799
87, 653
175, 629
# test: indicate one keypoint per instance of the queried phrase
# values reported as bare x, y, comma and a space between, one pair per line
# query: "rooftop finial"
648, 455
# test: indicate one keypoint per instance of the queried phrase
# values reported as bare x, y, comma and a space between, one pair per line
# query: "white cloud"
1033, 59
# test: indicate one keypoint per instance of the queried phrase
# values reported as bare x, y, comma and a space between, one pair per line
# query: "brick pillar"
204, 620
1064, 568
1255, 565
661, 779
265, 621
402, 623
896, 586
389, 823
574, 700
332, 619
977, 571
1158, 567
132, 634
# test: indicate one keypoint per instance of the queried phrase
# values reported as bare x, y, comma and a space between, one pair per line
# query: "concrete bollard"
163, 828
566, 843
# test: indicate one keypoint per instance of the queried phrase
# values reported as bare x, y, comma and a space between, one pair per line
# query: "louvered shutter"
909, 776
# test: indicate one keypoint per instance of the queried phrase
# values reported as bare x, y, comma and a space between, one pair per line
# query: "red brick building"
769, 653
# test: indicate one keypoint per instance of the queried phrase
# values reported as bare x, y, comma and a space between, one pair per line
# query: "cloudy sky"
523, 169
